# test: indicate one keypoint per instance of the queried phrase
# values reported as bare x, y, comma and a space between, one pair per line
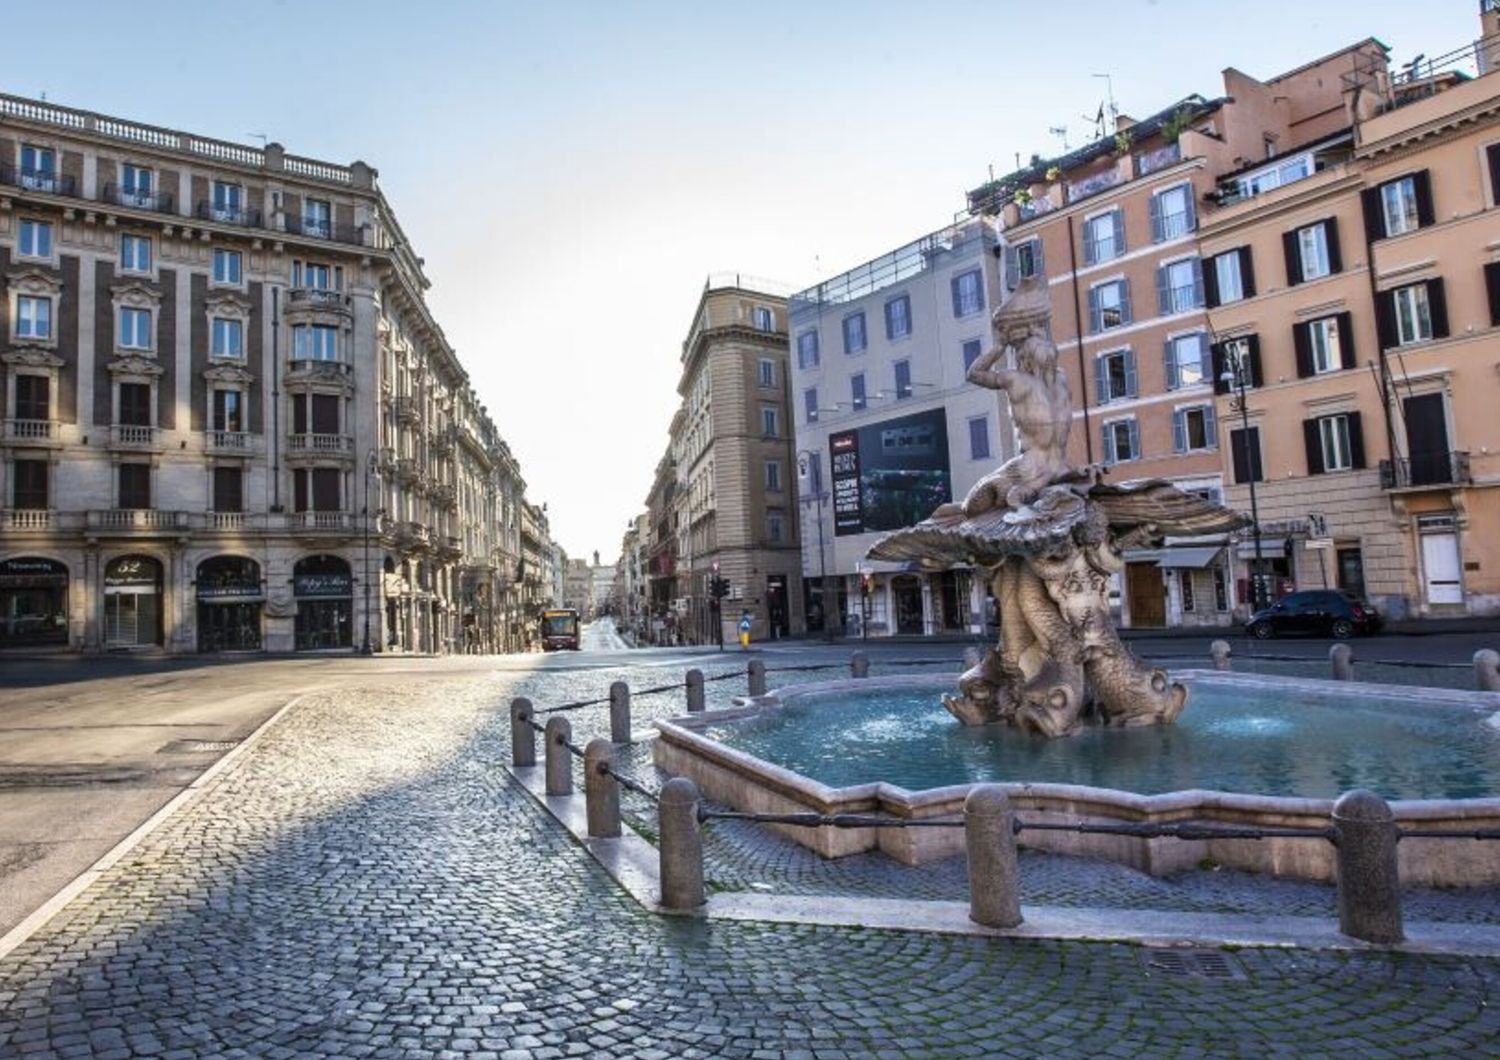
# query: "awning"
1189, 558
1270, 548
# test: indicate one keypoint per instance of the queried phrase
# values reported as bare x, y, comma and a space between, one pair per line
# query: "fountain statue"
1049, 536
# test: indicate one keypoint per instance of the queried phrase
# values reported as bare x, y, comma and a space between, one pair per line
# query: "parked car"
1316, 612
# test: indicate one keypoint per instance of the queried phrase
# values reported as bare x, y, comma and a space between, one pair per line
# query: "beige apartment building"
229, 419
723, 501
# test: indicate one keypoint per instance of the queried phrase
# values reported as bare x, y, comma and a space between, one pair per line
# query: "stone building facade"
229, 419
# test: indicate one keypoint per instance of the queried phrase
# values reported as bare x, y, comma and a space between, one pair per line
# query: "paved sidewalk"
365, 882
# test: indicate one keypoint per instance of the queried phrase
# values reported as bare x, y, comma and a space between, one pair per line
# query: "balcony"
230, 442
318, 228
448, 547
321, 445
39, 180
242, 216
317, 298
1082, 189
445, 496
30, 520
131, 436
1150, 161
1426, 471
407, 410
136, 520
319, 371
406, 469
1033, 208
320, 523
155, 201
32, 432
221, 522
410, 535
441, 443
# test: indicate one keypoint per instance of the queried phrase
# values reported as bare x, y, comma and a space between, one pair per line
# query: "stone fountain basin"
748, 783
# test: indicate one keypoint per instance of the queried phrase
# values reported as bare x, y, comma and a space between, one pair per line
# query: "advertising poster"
890, 474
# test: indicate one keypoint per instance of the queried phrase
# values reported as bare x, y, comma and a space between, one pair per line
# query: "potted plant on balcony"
1122, 143
1054, 174
1022, 197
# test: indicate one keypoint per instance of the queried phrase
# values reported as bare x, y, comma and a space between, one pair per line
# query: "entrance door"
1147, 594
954, 603
1427, 439
1441, 568
1352, 571
907, 590
776, 604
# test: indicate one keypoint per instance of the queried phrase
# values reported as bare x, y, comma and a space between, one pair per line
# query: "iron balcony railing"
243, 216
156, 201
39, 180
320, 228
1426, 469
317, 298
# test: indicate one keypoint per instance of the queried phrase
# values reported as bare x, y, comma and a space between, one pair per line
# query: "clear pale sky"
572, 171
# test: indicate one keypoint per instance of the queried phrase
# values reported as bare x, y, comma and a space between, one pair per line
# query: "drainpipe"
1088, 430
275, 399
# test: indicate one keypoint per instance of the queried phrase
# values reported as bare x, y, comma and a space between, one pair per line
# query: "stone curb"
54, 905
632, 863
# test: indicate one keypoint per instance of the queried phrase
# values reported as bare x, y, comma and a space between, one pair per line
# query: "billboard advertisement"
890, 474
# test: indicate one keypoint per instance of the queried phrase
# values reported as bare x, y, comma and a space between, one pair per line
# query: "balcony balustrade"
411, 535
243, 216
39, 180
25, 520
318, 228
140, 520
155, 201
321, 522
230, 441
1151, 161
1426, 470
132, 436
406, 469
1082, 189
407, 409
33, 431
317, 298
444, 495
1035, 208
340, 445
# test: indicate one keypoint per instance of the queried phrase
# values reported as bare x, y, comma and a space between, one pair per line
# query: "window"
31, 485
810, 403
1334, 443
1104, 237
1398, 202
1187, 360
227, 416
317, 277
1193, 429
971, 354
1179, 286
1245, 448
1022, 261
228, 200
135, 328
1287, 172
979, 437
854, 333
1312, 252
1109, 305
1234, 356
1116, 378
315, 414
316, 489
227, 266
228, 335
1417, 312
317, 218
767, 371
762, 319
1398, 206
768, 427
807, 349
35, 240
1172, 214
135, 186
903, 379
135, 486
857, 390
135, 254
33, 317
968, 293
1413, 314
775, 528
33, 397
1185, 578
773, 476
1323, 345
1121, 441
1229, 278
135, 405
229, 491
39, 168
315, 342
898, 317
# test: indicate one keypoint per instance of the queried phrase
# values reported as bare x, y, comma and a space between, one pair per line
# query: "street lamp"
805, 464
372, 461
1237, 371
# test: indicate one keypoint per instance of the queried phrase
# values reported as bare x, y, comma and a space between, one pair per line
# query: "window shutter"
1090, 251
1205, 355
1130, 387
1437, 305
1109, 444
1421, 183
1220, 365
1117, 219
953, 290
1211, 283
1037, 257
1239, 449
1192, 208
1247, 272
1012, 275
1198, 283
1163, 292
1125, 314
1385, 318
1179, 430
1169, 365
1096, 316
1346, 340
1135, 440
1302, 340
1331, 234
1374, 214
1492, 155
1256, 378
1314, 445
1101, 379
1157, 232
1293, 258
1210, 427
1356, 441
1492, 285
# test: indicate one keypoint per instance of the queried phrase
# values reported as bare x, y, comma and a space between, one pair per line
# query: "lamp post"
1237, 375
805, 464
372, 459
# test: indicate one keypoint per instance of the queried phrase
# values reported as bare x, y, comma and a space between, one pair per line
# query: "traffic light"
718, 587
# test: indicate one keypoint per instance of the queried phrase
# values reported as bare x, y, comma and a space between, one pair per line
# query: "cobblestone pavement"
366, 882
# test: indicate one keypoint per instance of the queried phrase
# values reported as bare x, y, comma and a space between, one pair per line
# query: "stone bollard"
681, 850
601, 791
757, 677
695, 691
522, 735
1342, 658
994, 876
859, 665
558, 758
1220, 652
1369, 884
1487, 670
619, 712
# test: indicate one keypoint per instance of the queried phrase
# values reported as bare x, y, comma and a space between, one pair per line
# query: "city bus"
560, 629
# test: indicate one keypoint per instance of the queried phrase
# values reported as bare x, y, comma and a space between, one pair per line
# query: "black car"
1318, 612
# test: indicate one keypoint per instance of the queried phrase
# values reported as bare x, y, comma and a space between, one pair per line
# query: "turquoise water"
1263, 742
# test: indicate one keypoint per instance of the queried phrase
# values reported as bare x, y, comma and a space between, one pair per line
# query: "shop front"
324, 590
230, 598
132, 603
33, 602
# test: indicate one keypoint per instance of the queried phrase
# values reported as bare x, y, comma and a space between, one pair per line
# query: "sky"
572, 171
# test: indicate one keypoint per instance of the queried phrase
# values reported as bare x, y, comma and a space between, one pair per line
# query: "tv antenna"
1061, 132
1108, 107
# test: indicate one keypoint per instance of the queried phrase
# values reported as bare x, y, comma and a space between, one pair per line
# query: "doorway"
907, 591
132, 602
776, 605
1442, 570
1427, 439
1146, 593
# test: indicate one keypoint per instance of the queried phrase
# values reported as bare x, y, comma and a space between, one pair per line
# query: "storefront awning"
1189, 558
1270, 548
